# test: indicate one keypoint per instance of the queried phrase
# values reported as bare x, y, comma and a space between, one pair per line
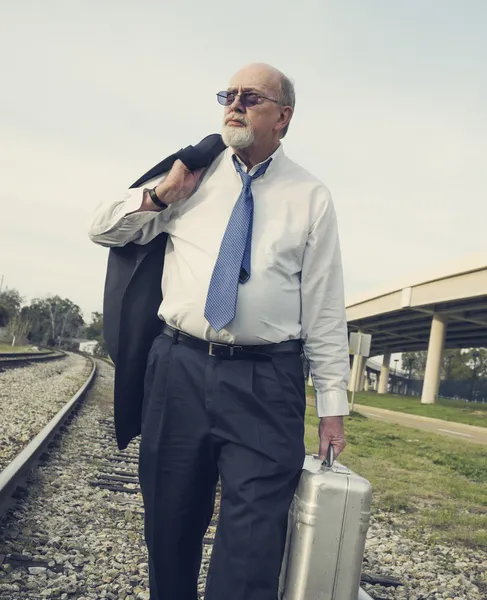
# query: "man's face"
247, 125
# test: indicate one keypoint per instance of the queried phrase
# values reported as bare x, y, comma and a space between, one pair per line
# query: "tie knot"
246, 178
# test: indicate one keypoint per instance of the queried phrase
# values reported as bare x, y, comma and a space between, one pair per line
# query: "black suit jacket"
132, 298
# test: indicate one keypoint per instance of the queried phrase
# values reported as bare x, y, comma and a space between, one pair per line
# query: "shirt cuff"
332, 404
134, 202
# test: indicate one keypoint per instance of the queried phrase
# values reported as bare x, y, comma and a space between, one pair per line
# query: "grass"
448, 410
437, 485
4, 348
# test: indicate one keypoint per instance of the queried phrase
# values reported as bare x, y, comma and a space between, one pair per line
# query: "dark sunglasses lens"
225, 98
249, 99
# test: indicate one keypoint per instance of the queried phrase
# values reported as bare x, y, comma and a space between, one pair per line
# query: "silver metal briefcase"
327, 526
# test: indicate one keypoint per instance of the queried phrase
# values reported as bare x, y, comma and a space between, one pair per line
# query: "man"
252, 271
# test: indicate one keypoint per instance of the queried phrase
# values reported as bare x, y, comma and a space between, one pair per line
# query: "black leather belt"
228, 351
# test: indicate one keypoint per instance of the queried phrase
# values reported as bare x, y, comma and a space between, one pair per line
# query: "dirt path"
460, 431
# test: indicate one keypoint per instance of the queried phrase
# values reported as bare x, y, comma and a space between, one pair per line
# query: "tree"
66, 318
476, 362
455, 367
10, 303
458, 365
53, 320
101, 349
94, 331
19, 327
414, 363
40, 328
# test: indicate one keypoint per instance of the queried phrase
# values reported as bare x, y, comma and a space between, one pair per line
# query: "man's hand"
178, 185
331, 432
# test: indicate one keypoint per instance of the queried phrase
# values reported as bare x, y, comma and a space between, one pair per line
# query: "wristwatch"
155, 199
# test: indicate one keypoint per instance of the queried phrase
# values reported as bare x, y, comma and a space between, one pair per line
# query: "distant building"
88, 346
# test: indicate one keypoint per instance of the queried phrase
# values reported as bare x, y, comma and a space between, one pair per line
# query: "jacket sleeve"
116, 223
323, 318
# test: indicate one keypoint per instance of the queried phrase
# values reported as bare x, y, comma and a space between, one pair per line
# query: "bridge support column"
362, 374
433, 360
384, 373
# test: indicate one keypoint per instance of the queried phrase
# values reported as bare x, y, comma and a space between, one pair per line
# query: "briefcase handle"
330, 458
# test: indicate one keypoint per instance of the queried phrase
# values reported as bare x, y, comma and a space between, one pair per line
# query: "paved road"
459, 431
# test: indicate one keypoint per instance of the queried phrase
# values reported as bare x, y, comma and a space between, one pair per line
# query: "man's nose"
236, 105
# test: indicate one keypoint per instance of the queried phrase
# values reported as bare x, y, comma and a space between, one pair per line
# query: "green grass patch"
7, 348
448, 410
438, 485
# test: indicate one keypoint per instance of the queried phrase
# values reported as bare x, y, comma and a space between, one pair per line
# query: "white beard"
237, 137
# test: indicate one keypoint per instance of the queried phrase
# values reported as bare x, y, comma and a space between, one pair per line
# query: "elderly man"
252, 274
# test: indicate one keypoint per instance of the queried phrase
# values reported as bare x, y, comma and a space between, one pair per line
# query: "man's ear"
284, 117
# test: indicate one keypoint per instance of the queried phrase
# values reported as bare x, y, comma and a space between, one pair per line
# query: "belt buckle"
218, 345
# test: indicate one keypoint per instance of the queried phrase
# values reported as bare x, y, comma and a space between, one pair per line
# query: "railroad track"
114, 506
17, 471
117, 473
9, 360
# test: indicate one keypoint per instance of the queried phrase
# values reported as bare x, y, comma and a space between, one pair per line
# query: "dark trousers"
205, 417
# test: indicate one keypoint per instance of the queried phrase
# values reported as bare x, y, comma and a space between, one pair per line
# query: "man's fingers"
338, 447
323, 448
197, 175
331, 432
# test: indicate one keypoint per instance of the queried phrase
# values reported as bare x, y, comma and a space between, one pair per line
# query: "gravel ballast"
71, 539
31, 395
428, 570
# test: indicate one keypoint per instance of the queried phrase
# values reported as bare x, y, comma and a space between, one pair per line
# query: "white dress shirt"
296, 284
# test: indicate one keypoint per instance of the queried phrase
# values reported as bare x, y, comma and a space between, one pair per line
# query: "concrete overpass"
370, 374
443, 308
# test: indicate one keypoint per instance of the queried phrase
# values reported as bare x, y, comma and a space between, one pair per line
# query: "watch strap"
155, 199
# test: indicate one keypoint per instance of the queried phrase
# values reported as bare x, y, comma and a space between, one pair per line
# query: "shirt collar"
275, 159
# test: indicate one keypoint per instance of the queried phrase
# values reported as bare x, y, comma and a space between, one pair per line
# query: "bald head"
271, 79
260, 73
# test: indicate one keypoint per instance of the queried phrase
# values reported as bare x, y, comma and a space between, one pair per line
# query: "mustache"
236, 117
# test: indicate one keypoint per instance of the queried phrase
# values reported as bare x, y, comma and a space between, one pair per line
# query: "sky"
391, 115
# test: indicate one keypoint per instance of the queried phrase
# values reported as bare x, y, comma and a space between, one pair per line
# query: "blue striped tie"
233, 263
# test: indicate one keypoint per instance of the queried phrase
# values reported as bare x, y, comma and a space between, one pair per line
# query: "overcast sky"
391, 115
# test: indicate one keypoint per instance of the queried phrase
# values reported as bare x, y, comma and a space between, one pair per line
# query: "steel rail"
15, 359
21, 466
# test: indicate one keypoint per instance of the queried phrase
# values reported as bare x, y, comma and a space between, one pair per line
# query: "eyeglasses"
246, 98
